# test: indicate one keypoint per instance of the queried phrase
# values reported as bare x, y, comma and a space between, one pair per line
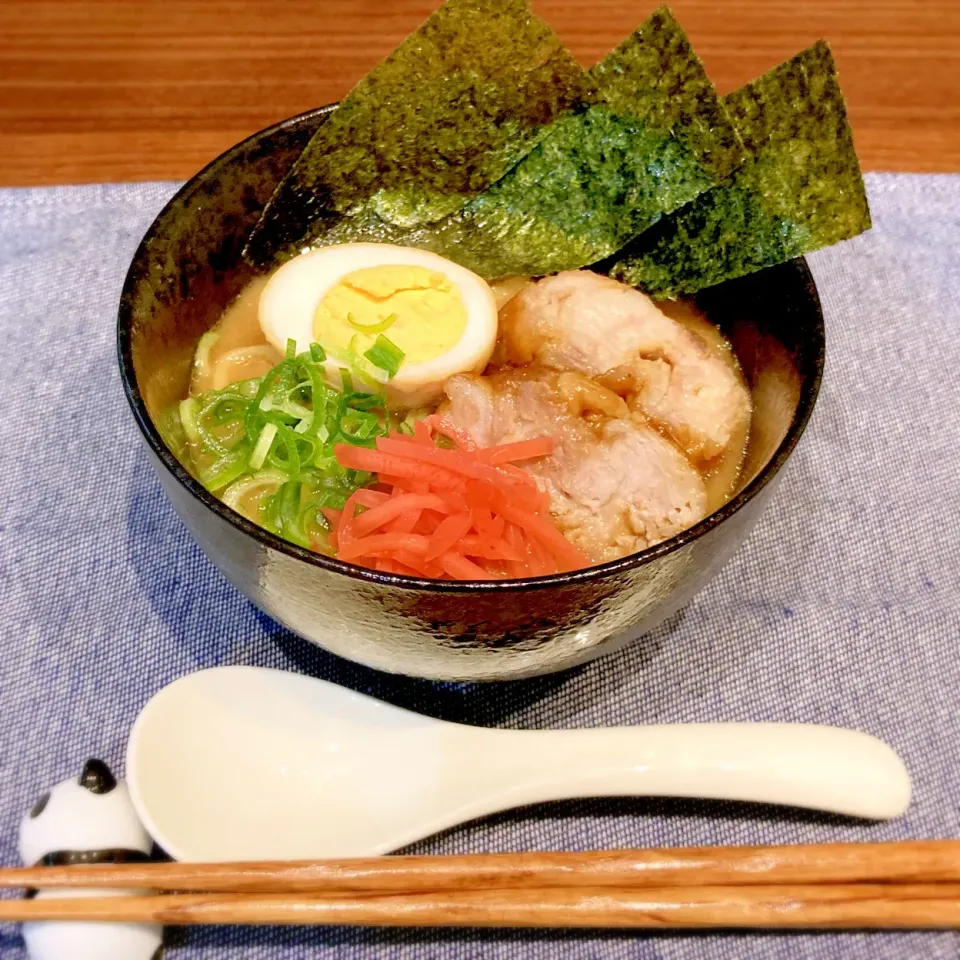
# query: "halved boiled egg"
401, 319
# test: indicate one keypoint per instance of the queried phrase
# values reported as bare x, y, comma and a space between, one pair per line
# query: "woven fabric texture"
843, 607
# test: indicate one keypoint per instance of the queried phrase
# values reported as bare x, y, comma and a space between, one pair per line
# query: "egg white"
291, 297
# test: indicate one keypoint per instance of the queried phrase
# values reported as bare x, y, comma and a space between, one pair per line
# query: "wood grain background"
106, 90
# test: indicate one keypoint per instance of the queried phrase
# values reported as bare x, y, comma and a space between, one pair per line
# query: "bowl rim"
809, 390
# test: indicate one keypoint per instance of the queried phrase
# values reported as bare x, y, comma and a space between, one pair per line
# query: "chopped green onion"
170, 427
290, 512
224, 407
360, 365
296, 410
293, 450
201, 360
366, 401
378, 326
320, 400
272, 439
291, 348
289, 459
270, 512
235, 493
386, 355
407, 424
327, 464
254, 417
188, 417
262, 448
209, 440
359, 368
357, 425
223, 473
313, 521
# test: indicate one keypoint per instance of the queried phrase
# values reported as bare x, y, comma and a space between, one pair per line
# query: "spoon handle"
803, 765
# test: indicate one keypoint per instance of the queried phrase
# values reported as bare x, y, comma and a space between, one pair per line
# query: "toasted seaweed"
801, 190
652, 137
451, 110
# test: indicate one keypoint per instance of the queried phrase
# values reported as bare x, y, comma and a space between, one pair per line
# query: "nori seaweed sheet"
451, 110
801, 190
653, 137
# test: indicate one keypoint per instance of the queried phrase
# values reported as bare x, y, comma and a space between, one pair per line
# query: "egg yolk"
419, 310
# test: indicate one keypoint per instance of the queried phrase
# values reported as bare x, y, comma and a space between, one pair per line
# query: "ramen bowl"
189, 266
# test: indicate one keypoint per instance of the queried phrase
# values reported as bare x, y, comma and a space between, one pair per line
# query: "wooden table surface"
107, 90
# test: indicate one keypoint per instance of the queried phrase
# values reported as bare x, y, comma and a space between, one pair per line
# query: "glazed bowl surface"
189, 266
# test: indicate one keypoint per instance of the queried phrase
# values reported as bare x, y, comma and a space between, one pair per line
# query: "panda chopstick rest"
87, 820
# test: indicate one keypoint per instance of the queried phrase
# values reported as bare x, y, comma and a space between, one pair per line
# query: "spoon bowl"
246, 763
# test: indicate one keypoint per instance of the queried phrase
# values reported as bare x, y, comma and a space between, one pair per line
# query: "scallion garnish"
223, 472
263, 444
201, 360
291, 348
270, 480
386, 355
284, 427
377, 326
188, 417
361, 370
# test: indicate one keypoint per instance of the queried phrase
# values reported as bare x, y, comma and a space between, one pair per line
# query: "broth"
238, 349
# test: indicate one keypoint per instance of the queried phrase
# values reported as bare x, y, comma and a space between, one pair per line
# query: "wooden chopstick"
878, 886
915, 862
876, 906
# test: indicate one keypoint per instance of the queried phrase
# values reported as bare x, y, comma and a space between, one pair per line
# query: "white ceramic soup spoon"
243, 763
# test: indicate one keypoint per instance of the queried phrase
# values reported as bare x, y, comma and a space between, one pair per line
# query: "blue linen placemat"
843, 607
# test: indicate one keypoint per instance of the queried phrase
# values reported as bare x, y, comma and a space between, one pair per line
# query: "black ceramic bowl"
189, 266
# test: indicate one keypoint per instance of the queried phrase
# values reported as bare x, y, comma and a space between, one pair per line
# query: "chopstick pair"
894, 885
